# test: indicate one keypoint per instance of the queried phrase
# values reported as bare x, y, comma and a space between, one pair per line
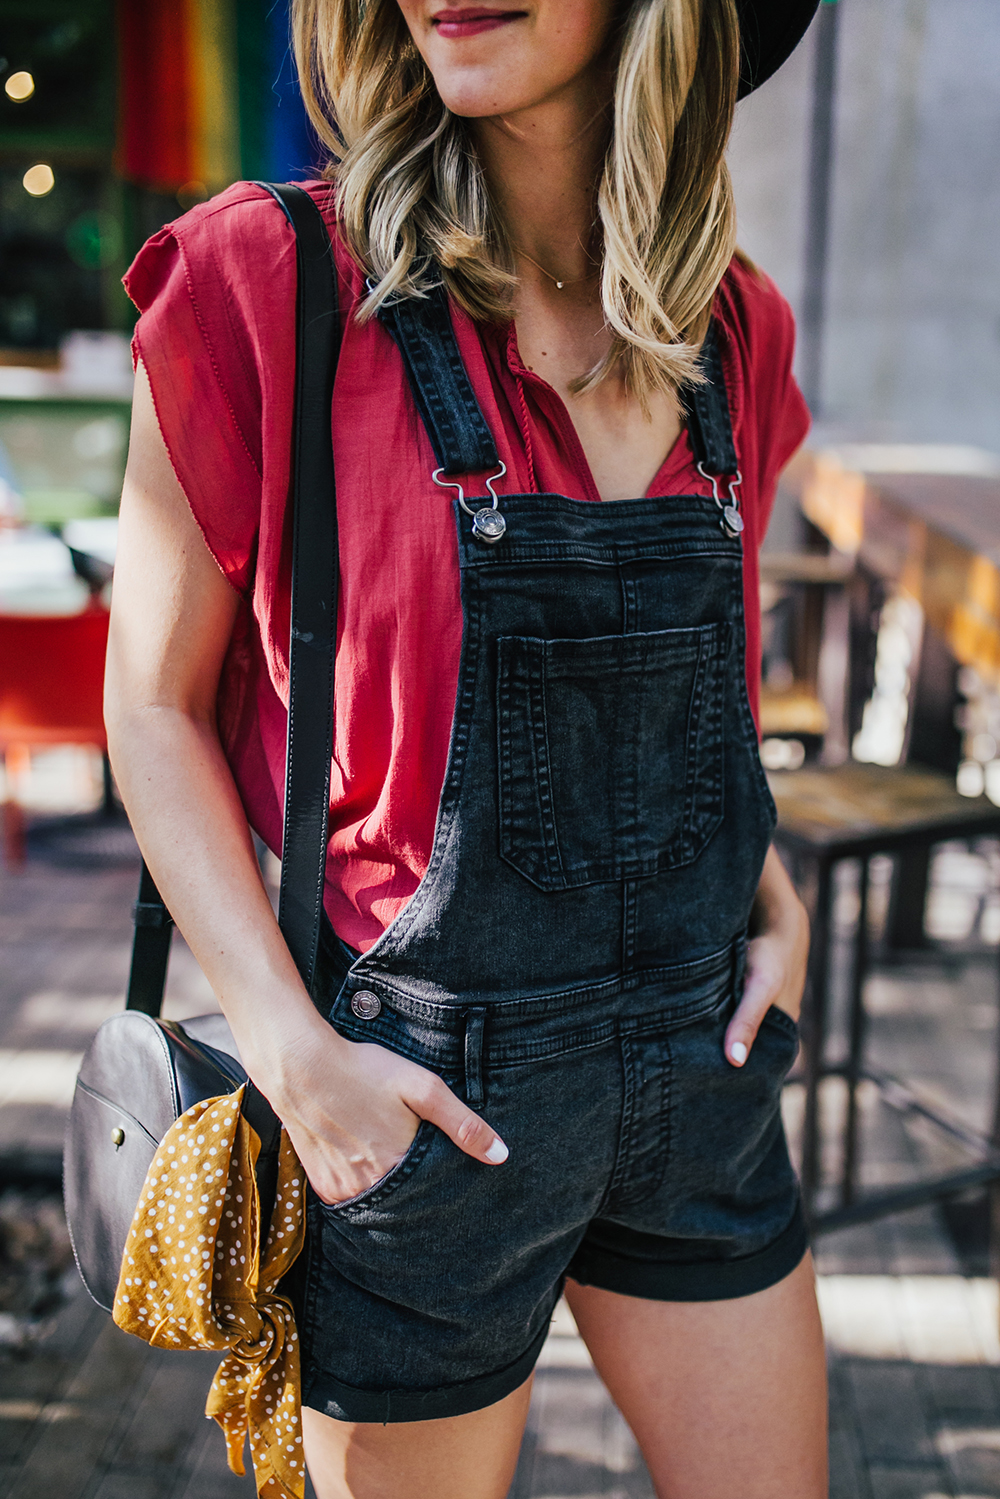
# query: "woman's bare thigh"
459, 1457
727, 1399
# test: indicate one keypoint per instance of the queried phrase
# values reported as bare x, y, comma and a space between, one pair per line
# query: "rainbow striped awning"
208, 95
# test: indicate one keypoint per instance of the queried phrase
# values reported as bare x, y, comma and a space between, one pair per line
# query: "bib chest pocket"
610, 752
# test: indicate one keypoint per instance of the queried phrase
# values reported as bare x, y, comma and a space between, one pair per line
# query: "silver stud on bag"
488, 525
365, 1004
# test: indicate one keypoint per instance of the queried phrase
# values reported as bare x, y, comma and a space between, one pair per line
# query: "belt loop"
475, 1020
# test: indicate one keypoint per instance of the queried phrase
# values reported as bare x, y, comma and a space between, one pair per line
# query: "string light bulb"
39, 180
19, 86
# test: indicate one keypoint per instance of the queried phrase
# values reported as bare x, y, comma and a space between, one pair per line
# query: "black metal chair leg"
904, 928
994, 1188
814, 1036
856, 1039
109, 806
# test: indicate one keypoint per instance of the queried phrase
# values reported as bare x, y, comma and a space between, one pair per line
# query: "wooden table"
852, 811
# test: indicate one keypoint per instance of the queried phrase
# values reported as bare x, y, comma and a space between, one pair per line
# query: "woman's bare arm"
351, 1109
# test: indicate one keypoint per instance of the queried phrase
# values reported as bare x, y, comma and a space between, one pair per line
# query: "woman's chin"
479, 100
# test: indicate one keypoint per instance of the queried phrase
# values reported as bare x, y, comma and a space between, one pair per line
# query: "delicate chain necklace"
576, 280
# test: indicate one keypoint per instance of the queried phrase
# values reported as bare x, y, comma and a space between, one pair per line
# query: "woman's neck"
542, 166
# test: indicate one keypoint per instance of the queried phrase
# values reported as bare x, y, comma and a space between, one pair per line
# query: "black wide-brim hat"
770, 31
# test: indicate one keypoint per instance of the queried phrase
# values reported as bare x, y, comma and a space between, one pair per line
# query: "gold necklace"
556, 282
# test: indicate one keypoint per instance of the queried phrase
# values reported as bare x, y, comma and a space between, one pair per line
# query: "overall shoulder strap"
710, 424
442, 390
459, 434
313, 626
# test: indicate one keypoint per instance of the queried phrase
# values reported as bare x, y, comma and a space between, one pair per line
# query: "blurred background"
867, 185
113, 120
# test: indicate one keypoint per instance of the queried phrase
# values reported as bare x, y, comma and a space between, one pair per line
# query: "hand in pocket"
352, 1110
777, 956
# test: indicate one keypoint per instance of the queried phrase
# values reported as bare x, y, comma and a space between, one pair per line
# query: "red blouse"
216, 291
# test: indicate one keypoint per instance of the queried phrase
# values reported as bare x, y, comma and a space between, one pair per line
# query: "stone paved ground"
87, 1413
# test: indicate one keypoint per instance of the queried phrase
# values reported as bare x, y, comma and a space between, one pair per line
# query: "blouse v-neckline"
677, 464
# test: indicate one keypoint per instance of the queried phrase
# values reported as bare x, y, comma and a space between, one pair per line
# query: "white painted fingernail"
497, 1153
738, 1053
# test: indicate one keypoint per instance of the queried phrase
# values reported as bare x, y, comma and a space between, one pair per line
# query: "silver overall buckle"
488, 525
732, 520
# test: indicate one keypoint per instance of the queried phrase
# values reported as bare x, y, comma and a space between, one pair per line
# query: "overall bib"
575, 950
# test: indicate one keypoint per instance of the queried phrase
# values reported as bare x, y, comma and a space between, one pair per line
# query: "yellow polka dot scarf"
192, 1277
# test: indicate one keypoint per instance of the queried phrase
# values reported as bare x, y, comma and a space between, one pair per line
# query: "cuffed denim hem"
343, 1402
704, 1280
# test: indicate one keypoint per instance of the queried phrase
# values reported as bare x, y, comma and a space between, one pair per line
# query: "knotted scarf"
193, 1277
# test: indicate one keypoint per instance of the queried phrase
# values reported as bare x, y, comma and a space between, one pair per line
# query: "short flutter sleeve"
771, 418
216, 290
774, 418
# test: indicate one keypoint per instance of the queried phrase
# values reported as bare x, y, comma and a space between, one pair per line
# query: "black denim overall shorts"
570, 961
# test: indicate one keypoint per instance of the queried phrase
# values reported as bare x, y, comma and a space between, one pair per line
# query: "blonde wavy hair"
415, 206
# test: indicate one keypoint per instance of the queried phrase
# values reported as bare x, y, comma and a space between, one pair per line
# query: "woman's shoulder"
236, 245
754, 314
770, 416
216, 290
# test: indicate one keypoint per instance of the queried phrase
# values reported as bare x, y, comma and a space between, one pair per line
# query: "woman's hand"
352, 1109
776, 959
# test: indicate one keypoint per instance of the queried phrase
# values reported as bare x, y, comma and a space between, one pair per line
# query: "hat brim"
770, 31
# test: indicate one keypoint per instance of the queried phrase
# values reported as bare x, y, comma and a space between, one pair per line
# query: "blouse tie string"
516, 369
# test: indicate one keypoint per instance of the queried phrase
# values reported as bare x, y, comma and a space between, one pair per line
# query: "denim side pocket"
610, 752
394, 1178
780, 1018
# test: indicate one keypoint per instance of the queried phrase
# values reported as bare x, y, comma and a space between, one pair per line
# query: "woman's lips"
459, 23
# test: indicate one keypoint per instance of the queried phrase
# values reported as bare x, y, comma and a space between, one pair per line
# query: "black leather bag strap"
314, 584
313, 626
150, 948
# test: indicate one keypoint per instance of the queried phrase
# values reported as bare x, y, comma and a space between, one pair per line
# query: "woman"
542, 1051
